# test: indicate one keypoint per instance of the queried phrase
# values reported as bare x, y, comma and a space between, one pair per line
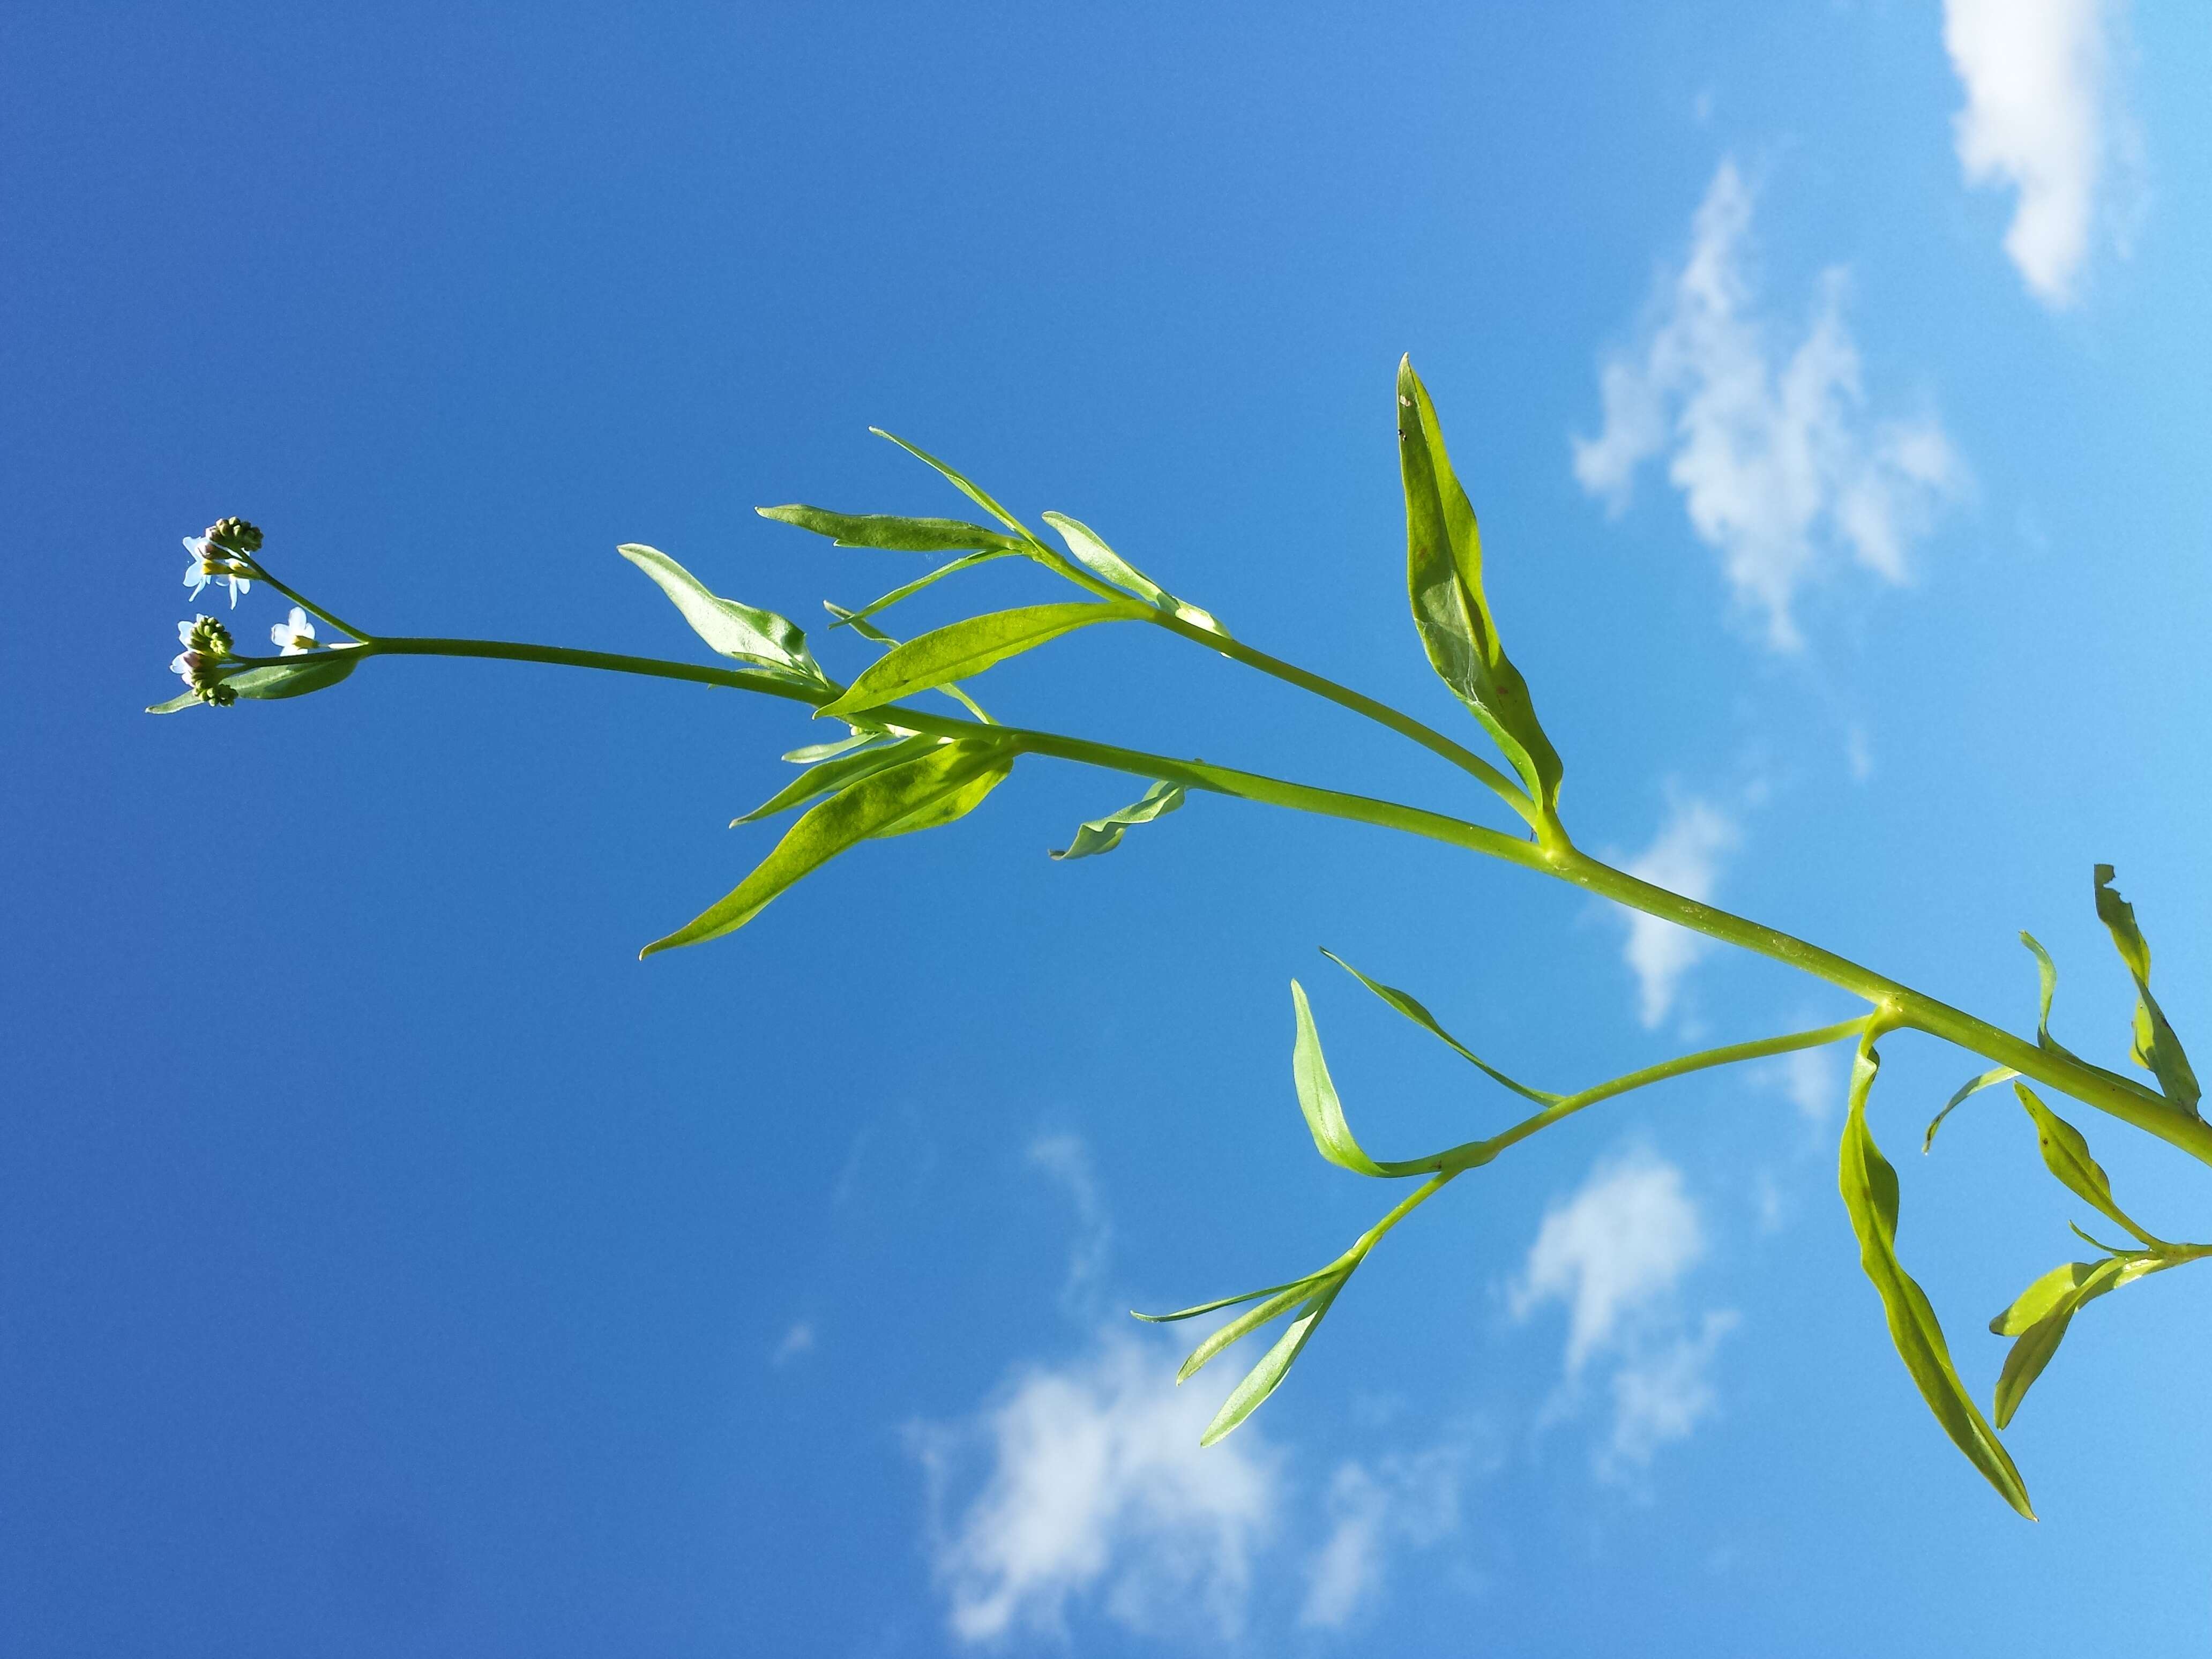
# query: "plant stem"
1901, 1005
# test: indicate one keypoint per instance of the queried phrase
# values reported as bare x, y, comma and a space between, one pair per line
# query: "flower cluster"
223, 552
207, 644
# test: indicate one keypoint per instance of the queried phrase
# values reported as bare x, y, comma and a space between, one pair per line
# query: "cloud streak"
1780, 467
1685, 856
2039, 120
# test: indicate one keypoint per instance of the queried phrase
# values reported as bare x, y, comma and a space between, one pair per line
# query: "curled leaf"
2156, 1050
1972, 1086
935, 788
1317, 1098
760, 638
968, 647
1443, 579
1104, 835
887, 530
1868, 1186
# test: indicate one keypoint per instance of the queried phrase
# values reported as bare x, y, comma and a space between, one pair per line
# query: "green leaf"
1104, 835
917, 794
1317, 1098
2046, 976
858, 620
1243, 1325
1090, 551
1225, 1301
1265, 1377
2157, 1049
1444, 578
2066, 1155
2060, 1294
968, 647
887, 530
175, 704
837, 773
813, 752
1406, 1004
1972, 1086
316, 670
745, 632
1869, 1185
859, 624
972, 491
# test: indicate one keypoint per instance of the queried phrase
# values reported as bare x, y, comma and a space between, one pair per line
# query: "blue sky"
391, 1263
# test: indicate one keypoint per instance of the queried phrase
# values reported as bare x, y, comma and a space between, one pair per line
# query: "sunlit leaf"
1090, 551
887, 530
972, 491
1263, 1378
1869, 1185
2066, 1155
919, 794
1317, 1098
1970, 1087
1235, 1330
1411, 1007
858, 620
862, 736
745, 632
968, 647
1443, 577
1104, 834
835, 774
2052, 1301
1225, 1301
314, 672
2157, 1049
2046, 976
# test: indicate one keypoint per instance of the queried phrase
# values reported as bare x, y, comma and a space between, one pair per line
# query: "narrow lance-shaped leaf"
1104, 834
858, 620
1225, 1301
922, 793
1089, 550
1868, 1186
1265, 1377
2066, 1155
316, 671
2040, 1319
1412, 1008
968, 647
1970, 1087
973, 491
2157, 1049
1444, 578
888, 530
745, 632
835, 774
1317, 1098
1244, 1324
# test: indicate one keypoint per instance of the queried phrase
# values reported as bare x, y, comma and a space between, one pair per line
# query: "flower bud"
206, 637
236, 535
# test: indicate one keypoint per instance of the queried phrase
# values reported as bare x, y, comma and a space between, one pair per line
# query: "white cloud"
797, 1341
1778, 462
2038, 119
1686, 857
1615, 1254
1097, 1490
1415, 1500
1067, 1160
1813, 1081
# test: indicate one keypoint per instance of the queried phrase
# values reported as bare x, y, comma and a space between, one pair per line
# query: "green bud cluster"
208, 637
234, 535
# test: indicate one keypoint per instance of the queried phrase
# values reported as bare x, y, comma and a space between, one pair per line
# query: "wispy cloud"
2040, 117
1412, 1500
1615, 1255
1685, 856
1779, 464
796, 1343
1097, 1491
1067, 1160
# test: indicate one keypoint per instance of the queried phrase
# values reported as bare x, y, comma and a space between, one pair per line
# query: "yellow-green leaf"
889, 530
2066, 1155
968, 647
1868, 1186
2156, 1049
1317, 1098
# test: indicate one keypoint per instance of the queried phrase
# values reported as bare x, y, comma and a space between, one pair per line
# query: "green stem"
312, 608
2107, 1091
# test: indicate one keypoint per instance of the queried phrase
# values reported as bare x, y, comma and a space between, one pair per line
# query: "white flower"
186, 665
211, 561
295, 636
